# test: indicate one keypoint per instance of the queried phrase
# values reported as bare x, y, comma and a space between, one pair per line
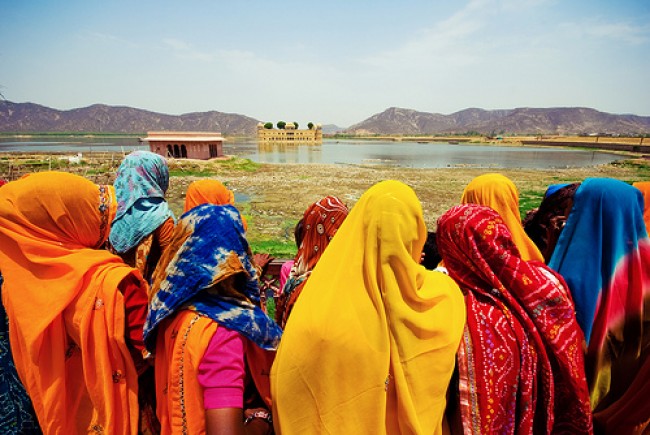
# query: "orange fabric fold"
181, 343
644, 187
209, 191
66, 314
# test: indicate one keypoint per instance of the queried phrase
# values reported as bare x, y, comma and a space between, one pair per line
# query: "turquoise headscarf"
213, 245
140, 185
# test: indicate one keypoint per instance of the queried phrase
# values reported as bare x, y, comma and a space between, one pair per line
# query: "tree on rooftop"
268, 125
310, 125
295, 124
281, 125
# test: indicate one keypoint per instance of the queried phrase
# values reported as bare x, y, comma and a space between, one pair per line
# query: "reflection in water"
416, 155
283, 152
404, 154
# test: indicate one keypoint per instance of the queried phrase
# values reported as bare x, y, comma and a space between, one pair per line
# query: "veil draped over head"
370, 344
140, 185
66, 313
500, 194
603, 253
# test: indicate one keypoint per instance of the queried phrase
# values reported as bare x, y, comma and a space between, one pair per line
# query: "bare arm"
224, 421
230, 421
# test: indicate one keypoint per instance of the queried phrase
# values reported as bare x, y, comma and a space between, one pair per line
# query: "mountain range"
560, 120
30, 117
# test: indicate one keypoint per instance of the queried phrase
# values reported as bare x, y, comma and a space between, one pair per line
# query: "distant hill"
561, 120
332, 129
29, 117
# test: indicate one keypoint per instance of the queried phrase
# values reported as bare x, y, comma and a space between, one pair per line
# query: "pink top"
222, 370
284, 274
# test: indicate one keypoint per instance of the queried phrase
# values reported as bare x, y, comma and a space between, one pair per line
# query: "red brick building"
185, 144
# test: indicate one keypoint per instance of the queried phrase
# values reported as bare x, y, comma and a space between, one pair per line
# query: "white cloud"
105, 37
624, 32
186, 51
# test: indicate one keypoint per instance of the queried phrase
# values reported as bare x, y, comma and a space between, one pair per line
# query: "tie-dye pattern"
604, 255
604, 231
213, 248
140, 185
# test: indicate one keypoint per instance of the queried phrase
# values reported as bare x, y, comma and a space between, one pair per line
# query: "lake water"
351, 152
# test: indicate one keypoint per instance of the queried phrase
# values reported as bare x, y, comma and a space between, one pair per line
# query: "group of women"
122, 319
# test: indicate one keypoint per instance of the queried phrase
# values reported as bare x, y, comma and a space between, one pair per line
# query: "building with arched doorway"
185, 144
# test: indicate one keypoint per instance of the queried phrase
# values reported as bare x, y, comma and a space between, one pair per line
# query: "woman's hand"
258, 421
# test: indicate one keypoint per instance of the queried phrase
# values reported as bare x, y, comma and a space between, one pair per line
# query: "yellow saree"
370, 344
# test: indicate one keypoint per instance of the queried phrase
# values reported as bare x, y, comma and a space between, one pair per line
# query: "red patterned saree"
520, 362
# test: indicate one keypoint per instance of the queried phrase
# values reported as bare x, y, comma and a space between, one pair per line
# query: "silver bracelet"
264, 415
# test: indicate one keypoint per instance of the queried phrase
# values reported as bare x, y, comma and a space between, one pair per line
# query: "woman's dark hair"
538, 224
298, 233
431, 256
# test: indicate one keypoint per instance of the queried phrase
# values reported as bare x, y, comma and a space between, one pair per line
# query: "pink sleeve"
285, 269
222, 371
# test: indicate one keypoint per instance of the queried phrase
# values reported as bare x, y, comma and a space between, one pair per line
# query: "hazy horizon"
329, 63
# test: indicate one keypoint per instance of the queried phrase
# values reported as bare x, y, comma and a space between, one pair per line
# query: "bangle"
264, 415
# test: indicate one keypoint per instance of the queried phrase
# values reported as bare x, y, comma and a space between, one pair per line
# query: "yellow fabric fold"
66, 314
370, 345
500, 194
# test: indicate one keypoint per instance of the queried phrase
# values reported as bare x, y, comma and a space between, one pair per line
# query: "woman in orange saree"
65, 303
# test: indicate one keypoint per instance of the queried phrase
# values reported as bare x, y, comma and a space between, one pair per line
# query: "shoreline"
273, 197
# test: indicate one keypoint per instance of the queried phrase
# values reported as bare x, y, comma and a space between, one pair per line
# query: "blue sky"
335, 62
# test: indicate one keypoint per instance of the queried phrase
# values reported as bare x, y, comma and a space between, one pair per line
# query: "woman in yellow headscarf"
68, 304
371, 342
500, 194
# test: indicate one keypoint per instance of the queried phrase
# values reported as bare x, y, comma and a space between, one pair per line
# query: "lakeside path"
274, 196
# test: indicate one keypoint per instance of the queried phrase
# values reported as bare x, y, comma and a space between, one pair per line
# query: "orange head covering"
66, 315
207, 192
500, 194
644, 187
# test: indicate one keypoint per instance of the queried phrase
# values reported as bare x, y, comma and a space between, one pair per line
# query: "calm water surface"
402, 154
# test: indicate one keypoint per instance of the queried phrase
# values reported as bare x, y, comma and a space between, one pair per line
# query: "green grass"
241, 164
270, 308
529, 199
190, 172
274, 248
181, 168
641, 167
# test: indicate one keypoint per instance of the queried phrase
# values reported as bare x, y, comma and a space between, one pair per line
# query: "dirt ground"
277, 195
273, 196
